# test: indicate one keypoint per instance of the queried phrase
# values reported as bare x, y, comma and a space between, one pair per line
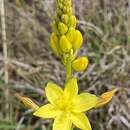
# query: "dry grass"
105, 25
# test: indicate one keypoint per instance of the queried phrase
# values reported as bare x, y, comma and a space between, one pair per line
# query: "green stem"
68, 69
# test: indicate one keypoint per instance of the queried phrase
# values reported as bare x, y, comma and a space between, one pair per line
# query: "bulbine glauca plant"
66, 106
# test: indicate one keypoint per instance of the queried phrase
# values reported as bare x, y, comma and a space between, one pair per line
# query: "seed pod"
70, 34
62, 28
54, 43
78, 40
72, 21
80, 64
65, 45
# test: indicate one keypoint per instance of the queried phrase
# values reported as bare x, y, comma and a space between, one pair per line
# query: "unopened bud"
59, 12
80, 64
78, 40
72, 21
65, 18
54, 43
106, 97
62, 28
70, 34
27, 102
54, 27
65, 45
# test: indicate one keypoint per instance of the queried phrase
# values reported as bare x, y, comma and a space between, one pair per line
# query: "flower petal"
84, 102
62, 122
81, 121
53, 92
46, 111
105, 97
71, 88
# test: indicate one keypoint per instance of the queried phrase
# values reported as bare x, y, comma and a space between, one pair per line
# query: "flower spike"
66, 106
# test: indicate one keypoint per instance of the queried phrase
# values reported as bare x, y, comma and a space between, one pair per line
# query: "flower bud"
59, 12
54, 27
70, 34
78, 40
70, 11
80, 64
105, 97
72, 21
65, 45
65, 9
60, 5
62, 28
27, 102
54, 43
65, 18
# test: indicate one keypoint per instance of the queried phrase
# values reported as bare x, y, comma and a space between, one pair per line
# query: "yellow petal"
27, 102
84, 102
46, 111
62, 122
105, 97
81, 121
71, 88
53, 92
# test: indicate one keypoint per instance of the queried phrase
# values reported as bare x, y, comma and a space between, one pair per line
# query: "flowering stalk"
66, 106
66, 40
68, 69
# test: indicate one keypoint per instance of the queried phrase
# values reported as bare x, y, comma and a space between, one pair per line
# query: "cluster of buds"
66, 40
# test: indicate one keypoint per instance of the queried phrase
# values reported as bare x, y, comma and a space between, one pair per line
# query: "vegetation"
105, 26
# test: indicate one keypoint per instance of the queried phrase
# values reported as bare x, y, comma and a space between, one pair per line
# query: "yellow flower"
67, 107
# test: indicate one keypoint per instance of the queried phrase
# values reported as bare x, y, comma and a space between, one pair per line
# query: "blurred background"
105, 25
